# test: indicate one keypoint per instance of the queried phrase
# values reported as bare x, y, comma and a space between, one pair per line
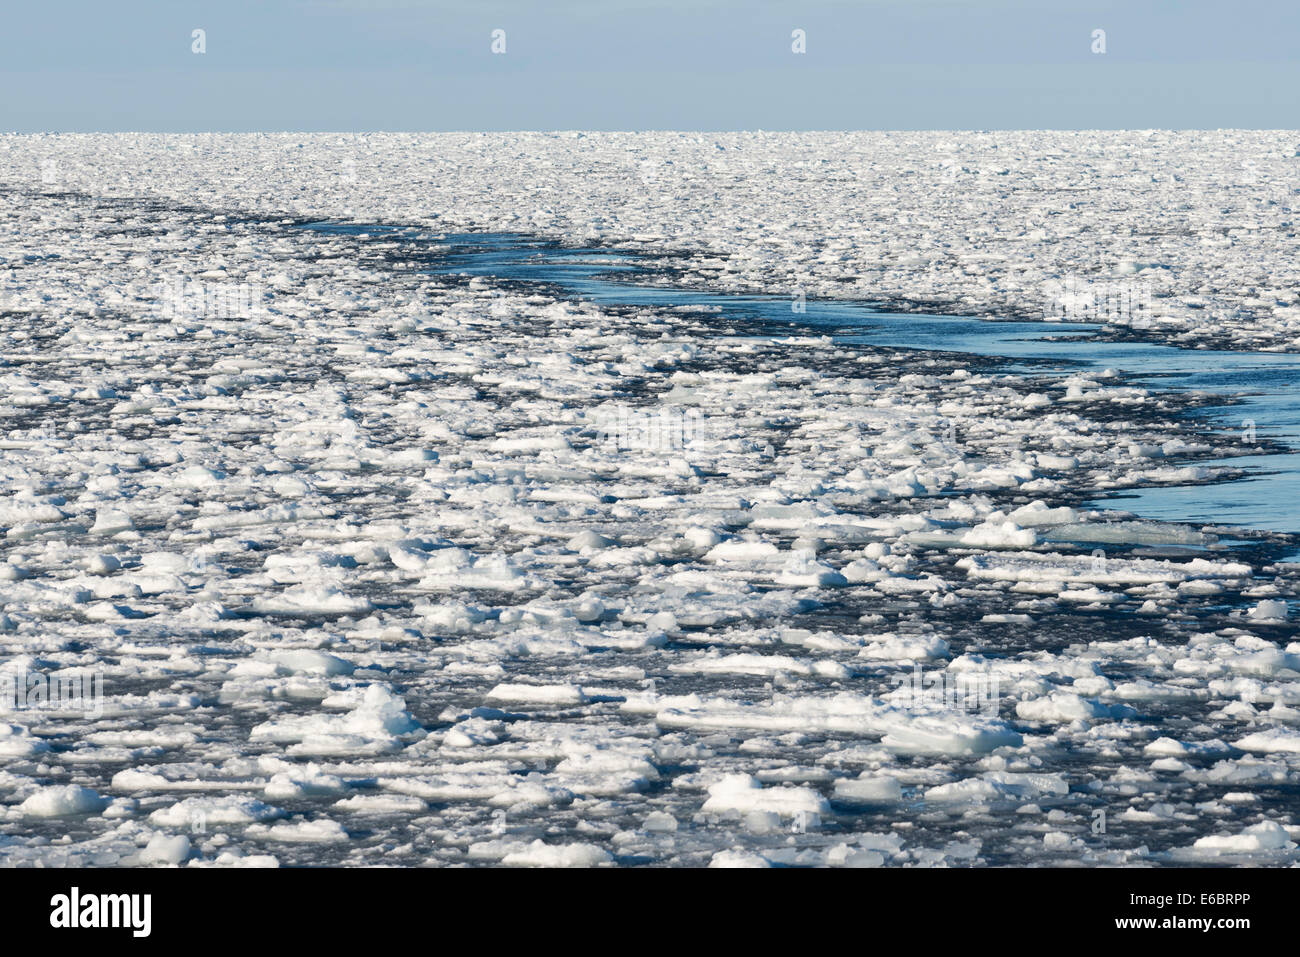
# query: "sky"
361, 65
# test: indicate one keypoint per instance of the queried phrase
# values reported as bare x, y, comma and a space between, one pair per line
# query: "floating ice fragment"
742, 793
110, 521
166, 849
63, 801
541, 854
1264, 836
1269, 610
538, 694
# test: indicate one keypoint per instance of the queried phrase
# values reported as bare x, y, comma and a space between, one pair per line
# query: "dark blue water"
1267, 385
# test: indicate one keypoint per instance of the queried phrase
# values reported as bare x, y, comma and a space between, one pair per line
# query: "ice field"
649, 499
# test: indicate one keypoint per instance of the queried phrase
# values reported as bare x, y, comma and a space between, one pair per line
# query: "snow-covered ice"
1196, 227
379, 563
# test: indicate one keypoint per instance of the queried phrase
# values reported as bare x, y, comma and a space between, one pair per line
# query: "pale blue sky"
79, 65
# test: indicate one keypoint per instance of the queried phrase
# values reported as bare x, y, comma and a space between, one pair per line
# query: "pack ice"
369, 572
